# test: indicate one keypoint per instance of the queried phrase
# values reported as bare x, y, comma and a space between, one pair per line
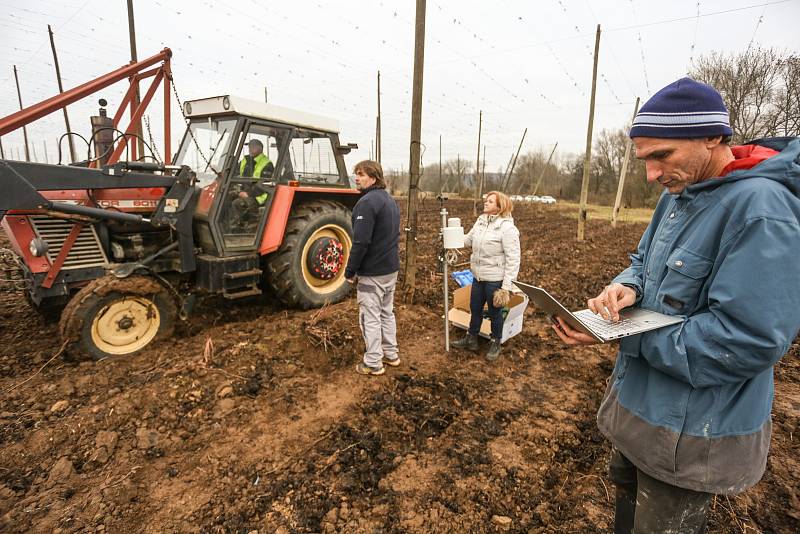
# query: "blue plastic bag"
463, 278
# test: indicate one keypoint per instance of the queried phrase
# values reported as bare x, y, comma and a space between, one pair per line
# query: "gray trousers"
376, 317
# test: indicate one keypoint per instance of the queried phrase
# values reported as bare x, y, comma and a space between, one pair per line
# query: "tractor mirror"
345, 149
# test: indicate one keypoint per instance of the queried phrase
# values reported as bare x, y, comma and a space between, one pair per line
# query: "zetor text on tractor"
120, 247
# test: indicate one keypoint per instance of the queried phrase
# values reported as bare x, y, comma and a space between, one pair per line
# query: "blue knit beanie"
684, 109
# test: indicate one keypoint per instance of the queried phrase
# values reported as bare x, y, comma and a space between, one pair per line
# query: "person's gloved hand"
500, 298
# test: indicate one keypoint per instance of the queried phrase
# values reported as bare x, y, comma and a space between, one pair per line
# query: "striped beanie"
684, 109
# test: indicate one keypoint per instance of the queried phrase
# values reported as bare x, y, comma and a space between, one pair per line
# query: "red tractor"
120, 248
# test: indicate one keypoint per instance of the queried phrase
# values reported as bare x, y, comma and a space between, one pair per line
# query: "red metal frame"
135, 72
62, 255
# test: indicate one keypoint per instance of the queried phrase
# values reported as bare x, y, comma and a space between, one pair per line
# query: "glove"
500, 298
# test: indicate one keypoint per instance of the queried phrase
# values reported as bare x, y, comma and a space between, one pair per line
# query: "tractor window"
266, 141
249, 191
312, 157
205, 147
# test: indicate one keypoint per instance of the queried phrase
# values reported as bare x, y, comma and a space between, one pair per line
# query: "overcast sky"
523, 63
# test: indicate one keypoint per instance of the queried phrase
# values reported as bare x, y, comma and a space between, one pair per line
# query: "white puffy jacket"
495, 249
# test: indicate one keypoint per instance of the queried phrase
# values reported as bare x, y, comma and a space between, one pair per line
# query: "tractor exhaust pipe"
102, 134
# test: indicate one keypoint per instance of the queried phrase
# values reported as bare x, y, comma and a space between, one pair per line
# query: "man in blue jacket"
687, 408
373, 266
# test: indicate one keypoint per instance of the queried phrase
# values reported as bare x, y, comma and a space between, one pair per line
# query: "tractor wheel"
113, 317
307, 271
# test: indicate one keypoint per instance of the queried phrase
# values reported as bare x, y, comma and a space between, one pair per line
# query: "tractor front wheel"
113, 317
307, 271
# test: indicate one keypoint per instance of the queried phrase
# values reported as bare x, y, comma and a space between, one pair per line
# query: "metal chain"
185, 118
153, 145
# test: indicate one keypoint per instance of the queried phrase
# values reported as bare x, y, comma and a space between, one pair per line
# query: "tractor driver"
255, 165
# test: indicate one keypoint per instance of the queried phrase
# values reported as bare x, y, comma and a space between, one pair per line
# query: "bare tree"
760, 87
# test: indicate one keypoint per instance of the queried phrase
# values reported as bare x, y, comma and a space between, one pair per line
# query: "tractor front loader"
120, 248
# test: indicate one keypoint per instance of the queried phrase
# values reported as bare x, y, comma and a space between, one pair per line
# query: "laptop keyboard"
605, 328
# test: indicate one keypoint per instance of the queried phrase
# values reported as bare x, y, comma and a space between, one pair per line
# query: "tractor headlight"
188, 108
226, 103
38, 247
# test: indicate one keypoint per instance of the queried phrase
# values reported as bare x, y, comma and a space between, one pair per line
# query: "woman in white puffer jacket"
494, 264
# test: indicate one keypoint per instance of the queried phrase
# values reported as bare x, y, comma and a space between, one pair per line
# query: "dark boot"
494, 350
469, 342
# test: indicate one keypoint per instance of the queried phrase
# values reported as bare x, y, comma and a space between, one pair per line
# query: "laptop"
632, 320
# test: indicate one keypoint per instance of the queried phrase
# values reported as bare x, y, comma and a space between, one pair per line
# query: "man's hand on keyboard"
569, 335
611, 300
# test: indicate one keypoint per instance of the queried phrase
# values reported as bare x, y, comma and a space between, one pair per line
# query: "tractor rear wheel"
113, 317
307, 271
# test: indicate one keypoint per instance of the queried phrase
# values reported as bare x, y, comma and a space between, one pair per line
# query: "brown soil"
252, 418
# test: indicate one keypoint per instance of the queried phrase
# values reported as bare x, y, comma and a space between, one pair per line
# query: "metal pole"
541, 174
414, 159
265, 94
24, 129
483, 171
2, 153
378, 139
446, 288
73, 155
623, 172
135, 101
514, 161
441, 185
458, 175
505, 173
477, 167
587, 160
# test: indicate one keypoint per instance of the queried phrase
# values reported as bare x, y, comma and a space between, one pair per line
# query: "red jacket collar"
747, 157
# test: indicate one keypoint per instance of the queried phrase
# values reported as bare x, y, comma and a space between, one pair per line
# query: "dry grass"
635, 215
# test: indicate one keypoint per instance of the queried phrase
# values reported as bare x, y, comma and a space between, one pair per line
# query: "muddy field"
252, 419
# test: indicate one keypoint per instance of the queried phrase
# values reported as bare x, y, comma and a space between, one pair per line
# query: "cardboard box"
459, 314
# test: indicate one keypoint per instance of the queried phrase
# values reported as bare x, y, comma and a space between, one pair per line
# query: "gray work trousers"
376, 317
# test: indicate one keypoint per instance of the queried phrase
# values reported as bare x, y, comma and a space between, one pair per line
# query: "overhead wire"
758, 23
641, 52
694, 37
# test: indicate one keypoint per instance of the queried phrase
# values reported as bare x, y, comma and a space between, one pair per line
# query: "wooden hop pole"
514, 162
478, 168
378, 139
410, 280
24, 129
587, 160
623, 172
72, 154
541, 174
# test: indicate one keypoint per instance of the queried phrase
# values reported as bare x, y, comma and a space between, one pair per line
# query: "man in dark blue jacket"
373, 266
687, 408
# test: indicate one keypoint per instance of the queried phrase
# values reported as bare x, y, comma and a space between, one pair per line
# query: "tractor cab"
243, 153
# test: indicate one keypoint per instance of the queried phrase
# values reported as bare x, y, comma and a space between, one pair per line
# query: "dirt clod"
61, 472
59, 406
502, 521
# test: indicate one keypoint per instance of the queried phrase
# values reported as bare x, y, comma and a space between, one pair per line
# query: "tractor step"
249, 292
235, 277
242, 274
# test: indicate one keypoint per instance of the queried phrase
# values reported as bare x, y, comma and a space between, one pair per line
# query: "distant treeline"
761, 88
